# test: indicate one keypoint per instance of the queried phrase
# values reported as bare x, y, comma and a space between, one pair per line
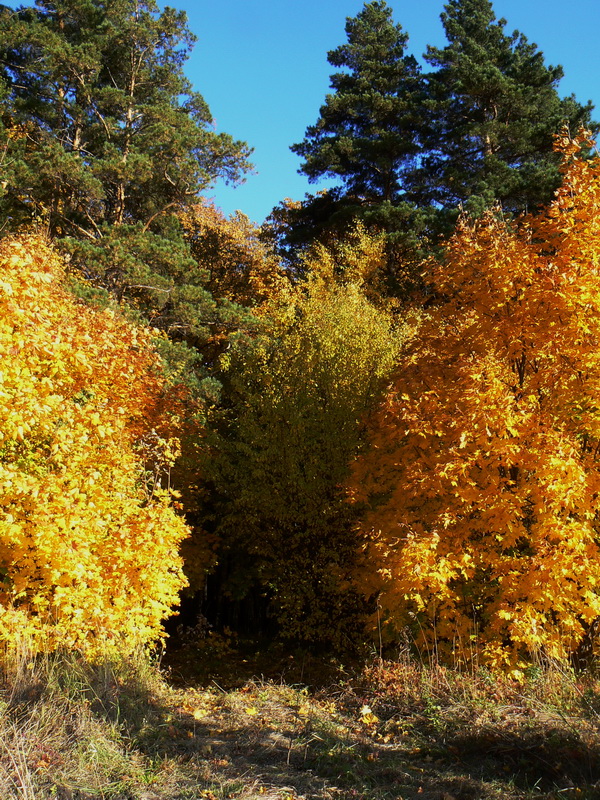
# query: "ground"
401, 729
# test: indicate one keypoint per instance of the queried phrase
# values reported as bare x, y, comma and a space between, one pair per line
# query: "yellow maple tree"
88, 537
483, 476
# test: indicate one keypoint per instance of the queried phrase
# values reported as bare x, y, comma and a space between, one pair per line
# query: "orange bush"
484, 473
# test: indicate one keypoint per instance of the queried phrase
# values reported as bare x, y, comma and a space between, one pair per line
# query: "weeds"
70, 730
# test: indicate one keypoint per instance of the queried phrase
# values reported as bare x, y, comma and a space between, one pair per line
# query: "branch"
81, 230
153, 288
157, 214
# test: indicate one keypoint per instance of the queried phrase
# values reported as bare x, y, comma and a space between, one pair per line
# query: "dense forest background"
373, 417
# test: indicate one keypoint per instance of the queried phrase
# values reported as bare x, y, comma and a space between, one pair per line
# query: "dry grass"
72, 731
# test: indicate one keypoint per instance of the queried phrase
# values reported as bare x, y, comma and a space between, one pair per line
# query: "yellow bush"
88, 540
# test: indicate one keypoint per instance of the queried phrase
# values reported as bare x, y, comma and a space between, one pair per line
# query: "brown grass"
73, 731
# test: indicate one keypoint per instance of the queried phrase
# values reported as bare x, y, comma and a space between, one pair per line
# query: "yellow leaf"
367, 716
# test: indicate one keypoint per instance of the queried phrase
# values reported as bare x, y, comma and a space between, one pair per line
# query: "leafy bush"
88, 539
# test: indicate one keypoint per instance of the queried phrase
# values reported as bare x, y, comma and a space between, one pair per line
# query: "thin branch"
157, 214
153, 288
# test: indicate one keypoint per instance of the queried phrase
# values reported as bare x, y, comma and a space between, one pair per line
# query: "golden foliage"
357, 259
483, 475
240, 267
88, 540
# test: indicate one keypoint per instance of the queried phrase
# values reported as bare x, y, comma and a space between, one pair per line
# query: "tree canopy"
482, 476
380, 431
105, 130
410, 148
366, 133
106, 143
493, 109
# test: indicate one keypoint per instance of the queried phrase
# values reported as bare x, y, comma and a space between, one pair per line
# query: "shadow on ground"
273, 741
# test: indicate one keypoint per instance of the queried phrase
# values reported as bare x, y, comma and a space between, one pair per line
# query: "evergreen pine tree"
105, 143
367, 132
493, 110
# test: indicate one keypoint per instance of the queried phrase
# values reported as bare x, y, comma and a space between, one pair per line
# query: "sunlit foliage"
88, 540
484, 474
240, 267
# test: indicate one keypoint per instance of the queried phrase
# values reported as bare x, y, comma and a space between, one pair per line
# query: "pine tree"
367, 132
409, 149
493, 110
105, 142
115, 133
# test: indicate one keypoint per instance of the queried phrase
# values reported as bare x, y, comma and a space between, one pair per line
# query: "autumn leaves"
482, 475
88, 544
473, 513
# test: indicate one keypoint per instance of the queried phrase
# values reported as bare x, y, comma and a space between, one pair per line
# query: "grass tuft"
119, 730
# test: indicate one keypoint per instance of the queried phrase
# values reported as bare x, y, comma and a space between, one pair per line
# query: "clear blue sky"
262, 67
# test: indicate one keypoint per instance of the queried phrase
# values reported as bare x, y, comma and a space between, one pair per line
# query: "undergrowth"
124, 730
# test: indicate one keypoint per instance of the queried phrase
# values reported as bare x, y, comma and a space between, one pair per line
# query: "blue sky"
262, 67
